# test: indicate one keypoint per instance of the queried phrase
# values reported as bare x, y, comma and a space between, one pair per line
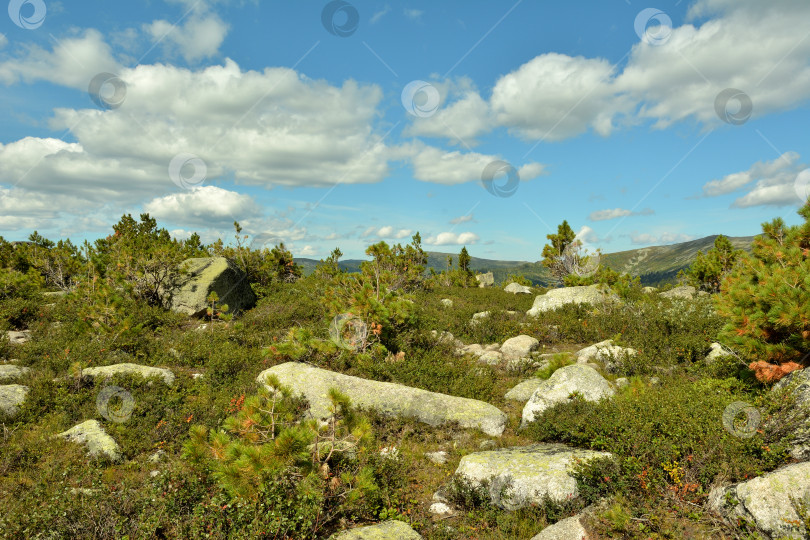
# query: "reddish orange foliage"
767, 372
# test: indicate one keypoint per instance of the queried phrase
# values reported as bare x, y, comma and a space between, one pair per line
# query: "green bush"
669, 438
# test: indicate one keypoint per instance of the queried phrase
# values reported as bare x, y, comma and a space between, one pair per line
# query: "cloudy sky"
340, 123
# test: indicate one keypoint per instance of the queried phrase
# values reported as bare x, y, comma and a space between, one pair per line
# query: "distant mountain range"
655, 265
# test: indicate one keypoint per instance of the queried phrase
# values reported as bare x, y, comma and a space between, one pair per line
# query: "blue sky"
324, 124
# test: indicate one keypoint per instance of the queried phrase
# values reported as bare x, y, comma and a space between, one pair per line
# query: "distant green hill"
655, 265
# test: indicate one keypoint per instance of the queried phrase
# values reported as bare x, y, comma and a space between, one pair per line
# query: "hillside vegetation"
124, 417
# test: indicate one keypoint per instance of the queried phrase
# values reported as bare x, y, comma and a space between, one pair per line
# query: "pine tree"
464, 260
766, 299
553, 252
707, 271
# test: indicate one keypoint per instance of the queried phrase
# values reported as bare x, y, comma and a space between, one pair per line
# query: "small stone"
154, 474
655, 381
621, 382
492, 358
18, 338
440, 509
446, 302
157, 457
488, 444
439, 457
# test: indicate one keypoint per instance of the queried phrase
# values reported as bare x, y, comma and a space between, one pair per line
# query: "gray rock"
516, 288
387, 398
206, 275
447, 337
157, 457
649, 290
387, 530
11, 397
765, 500
519, 347
555, 298
478, 317
523, 364
565, 529
491, 358
54, 294
485, 280
655, 381
439, 457
11, 372
523, 391
684, 291
441, 509
621, 382
565, 381
446, 302
473, 348
492, 347
130, 369
718, 351
18, 338
606, 352
93, 436
530, 472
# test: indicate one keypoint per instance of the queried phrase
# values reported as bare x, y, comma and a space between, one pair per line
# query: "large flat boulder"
555, 298
11, 397
387, 530
580, 378
130, 369
387, 398
530, 472
92, 435
766, 500
205, 275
